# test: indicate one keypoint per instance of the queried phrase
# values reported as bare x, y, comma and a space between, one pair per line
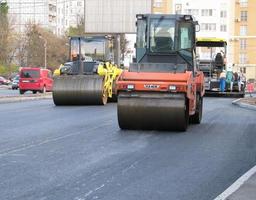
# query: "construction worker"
237, 80
230, 80
223, 81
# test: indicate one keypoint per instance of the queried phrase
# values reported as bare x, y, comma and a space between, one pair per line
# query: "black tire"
22, 91
34, 92
186, 121
43, 91
197, 117
113, 99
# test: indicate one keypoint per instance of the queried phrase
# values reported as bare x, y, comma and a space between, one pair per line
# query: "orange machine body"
161, 82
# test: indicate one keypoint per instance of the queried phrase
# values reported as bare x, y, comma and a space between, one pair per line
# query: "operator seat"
163, 41
219, 60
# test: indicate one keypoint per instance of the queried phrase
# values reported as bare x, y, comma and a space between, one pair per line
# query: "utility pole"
45, 51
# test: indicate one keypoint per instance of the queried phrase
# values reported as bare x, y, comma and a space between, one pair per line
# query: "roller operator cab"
163, 89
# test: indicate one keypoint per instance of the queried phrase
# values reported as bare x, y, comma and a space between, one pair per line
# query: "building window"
192, 12
243, 30
79, 3
243, 58
243, 3
243, 16
223, 28
208, 27
243, 70
243, 44
223, 14
158, 3
207, 12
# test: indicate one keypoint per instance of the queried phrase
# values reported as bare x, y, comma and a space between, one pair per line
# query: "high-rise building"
69, 14
243, 36
41, 12
162, 6
212, 16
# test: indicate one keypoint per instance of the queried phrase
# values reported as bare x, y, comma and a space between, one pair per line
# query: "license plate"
25, 81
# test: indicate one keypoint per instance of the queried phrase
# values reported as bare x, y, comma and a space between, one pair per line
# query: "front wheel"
43, 91
197, 117
22, 91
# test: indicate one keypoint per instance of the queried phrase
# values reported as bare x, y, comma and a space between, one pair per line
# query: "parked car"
4, 81
15, 82
35, 80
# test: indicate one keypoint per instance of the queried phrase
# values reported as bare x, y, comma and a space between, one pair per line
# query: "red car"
35, 80
4, 81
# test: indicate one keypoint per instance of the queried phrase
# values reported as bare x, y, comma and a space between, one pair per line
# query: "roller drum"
78, 90
152, 111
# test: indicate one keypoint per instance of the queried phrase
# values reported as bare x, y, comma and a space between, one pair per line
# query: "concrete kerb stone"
14, 99
238, 102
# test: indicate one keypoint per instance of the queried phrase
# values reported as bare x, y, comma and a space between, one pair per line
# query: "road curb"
12, 99
236, 185
238, 102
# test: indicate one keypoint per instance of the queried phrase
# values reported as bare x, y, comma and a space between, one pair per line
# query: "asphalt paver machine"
212, 60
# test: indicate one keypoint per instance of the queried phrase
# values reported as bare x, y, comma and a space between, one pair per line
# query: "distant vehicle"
4, 81
15, 82
214, 66
35, 80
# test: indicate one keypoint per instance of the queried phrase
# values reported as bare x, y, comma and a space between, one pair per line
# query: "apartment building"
162, 6
41, 12
69, 13
243, 36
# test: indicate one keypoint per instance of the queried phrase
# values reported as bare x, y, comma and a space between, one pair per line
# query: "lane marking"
237, 184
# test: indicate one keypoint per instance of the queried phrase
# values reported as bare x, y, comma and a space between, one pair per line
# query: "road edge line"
237, 184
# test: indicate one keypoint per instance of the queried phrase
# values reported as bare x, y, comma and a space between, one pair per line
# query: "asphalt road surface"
79, 153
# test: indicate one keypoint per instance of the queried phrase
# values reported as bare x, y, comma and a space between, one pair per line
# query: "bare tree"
57, 50
79, 29
5, 33
123, 45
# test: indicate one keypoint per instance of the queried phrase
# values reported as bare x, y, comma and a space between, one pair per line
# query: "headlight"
172, 88
130, 87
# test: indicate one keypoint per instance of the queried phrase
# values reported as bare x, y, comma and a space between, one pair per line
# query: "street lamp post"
45, 51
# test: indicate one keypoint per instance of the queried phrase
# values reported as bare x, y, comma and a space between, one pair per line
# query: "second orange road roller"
163, 89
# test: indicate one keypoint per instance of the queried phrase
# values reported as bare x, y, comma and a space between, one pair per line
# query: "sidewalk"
247, 102
245, 187
20, 98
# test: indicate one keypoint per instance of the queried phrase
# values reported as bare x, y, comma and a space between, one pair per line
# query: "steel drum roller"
78, 90
152, 111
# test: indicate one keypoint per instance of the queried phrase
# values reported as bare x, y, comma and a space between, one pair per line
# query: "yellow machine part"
205, 39
110, 73
56, 72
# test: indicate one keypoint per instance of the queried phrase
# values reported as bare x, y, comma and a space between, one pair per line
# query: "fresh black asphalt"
79, 153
